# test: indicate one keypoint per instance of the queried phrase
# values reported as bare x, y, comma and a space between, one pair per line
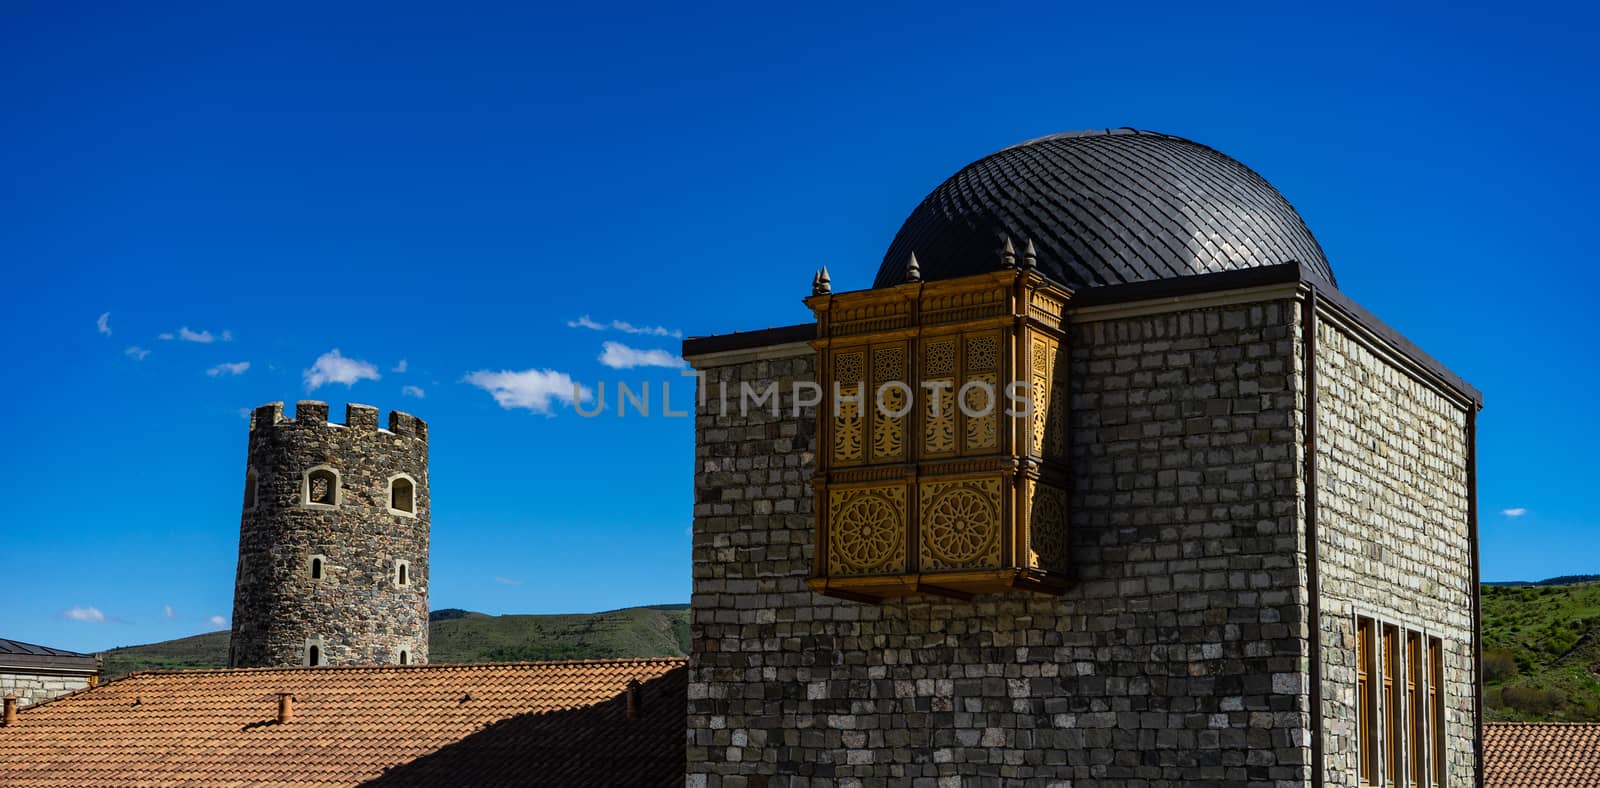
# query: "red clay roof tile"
549, 723
1541, 754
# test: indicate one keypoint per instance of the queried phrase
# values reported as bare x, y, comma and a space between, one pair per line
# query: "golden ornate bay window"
942, 448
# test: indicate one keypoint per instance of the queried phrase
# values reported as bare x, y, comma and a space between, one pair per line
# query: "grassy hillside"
463, 636
1541, 651
200, 651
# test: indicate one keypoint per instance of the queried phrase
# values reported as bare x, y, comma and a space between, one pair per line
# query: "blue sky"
448, 193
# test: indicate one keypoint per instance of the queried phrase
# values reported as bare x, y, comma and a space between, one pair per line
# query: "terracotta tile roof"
541, 723
1540, 754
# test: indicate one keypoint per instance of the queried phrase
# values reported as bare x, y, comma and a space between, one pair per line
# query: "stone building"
32, 674
1230, 540
333, 540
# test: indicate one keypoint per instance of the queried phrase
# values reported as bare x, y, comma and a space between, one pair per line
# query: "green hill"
464, 636
1541, 651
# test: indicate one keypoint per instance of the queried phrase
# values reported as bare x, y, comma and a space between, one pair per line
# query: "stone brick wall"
1393, 532
31, 688
1179, 657
356, 608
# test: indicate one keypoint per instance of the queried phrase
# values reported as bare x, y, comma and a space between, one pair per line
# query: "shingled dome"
1103, 208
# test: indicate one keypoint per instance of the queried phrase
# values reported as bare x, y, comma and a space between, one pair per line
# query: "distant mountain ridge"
1564, 580
456, 635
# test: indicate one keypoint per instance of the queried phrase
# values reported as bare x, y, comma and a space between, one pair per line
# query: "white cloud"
217, 621
1516, 512
533, 389
331, 367
234, 369
619, 356
400, 367
227, 336
413, 391
624, 326
136, 353
104, 323
89, 614
507, 581
203, 337
169, 611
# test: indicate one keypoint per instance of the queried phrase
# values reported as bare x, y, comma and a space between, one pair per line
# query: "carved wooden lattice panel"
847, 421
1039, 390
1047, 527
867, 530
888, 430
960, 524
983, 366
939, 410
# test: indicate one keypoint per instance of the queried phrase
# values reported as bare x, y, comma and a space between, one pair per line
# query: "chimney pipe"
11, 710
632, 694
285, 707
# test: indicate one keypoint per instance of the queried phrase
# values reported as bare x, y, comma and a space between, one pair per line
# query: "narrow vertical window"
250, 489
1416, 707
313, 655
1366, 702
402, 573
316, 567
1393, 734
1436, 705
405, 657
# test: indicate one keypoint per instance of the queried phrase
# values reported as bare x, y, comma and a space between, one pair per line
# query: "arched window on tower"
405, 657
402, 573
320, 487
317, 567
314, 652
402, 496
250, 489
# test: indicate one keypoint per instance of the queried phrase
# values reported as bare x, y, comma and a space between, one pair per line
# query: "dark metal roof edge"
1283, 273
9, 646
745, 340
78, 663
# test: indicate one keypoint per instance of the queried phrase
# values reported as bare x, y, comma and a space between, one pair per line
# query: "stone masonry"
1181, 654
1177, 658
31, 688
360, 610
1393, 519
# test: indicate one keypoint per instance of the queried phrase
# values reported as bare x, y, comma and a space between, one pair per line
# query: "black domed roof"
1104, 207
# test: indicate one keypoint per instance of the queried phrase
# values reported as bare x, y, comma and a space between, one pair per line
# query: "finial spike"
913, 271
1008, 254
820, 284
1030, 258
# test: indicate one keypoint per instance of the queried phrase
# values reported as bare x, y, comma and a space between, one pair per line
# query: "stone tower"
333, 540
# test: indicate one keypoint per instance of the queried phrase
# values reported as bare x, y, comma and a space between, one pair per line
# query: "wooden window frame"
1366, 700
1400, 704
1436, 700
1416, 708
1393, 704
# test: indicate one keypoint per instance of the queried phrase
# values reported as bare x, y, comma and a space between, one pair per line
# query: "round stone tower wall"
333, 547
